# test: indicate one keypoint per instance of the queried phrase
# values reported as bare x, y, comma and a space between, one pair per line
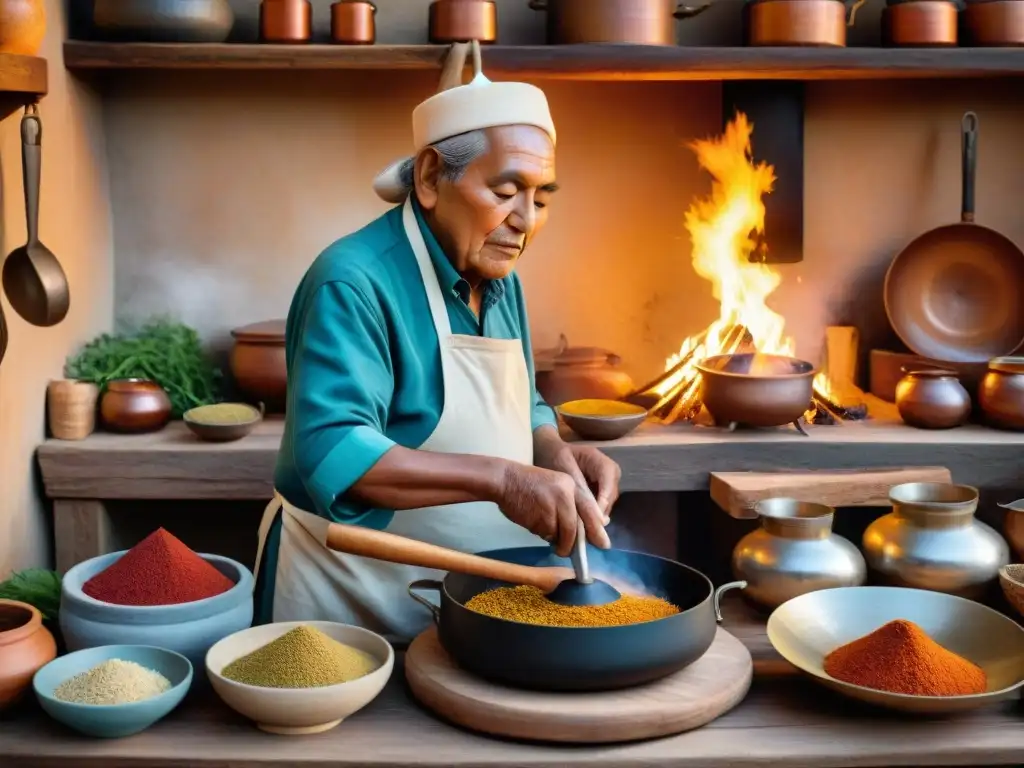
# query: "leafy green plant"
36, 586
167, 352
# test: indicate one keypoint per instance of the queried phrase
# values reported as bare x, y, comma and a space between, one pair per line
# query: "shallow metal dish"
807, 628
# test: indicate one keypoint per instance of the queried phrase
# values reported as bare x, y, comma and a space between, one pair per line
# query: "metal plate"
957, 294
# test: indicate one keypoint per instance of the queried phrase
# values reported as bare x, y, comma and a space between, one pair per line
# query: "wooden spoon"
391, 548
33, 279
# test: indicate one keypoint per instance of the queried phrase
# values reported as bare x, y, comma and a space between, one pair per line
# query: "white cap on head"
478, 104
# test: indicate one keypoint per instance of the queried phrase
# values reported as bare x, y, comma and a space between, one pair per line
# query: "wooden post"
81, 529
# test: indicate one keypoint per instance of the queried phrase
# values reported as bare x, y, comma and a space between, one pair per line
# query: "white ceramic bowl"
807, 628
297, 711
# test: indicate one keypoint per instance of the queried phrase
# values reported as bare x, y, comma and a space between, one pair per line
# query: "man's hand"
544, 502
595, 475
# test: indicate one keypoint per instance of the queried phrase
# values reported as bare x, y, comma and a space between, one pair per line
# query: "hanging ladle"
551, 580
33, 279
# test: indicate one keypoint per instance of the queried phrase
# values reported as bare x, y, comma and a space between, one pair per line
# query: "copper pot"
580, 373
920, 23
258, 363
286, 21
798, 22
459, 21
134, 405
25, 647
353, 22
932, 399
1001, 393
756, 390
994, 23
643, 22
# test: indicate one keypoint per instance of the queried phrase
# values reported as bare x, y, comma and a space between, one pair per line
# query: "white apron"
487, 411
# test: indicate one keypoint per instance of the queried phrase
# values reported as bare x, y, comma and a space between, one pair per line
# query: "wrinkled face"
485, 219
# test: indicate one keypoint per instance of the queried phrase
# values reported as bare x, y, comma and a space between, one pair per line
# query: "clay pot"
71, 408
258, 363
22, 26
134, 406
1001, 393
25, 646
580, 373
932, 399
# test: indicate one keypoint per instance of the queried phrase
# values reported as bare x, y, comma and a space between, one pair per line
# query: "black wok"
579, 658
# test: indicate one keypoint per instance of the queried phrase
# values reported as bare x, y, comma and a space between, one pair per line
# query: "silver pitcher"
794, 552
931, 540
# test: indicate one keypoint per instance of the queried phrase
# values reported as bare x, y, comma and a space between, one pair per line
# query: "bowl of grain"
296, 678
601, 419
222, 422
113, 691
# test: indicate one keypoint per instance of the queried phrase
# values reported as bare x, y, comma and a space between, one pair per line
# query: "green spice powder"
303, 657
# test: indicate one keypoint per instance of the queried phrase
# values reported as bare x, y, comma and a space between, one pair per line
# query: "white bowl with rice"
114, 690
277, 704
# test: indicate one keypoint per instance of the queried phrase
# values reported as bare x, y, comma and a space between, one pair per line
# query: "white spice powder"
112, 682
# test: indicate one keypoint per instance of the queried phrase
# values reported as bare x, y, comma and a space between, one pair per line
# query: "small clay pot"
22, 26
134, 406
71, 408
258, 363
932, 399
580, 373
25, 646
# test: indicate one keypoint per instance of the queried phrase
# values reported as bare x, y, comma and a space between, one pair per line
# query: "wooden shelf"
572, 62
173, 464
23, 80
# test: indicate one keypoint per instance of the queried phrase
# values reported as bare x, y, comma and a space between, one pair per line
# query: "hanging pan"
956, 293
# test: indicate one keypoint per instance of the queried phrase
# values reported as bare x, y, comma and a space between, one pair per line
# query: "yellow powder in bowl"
599, 408
223, 413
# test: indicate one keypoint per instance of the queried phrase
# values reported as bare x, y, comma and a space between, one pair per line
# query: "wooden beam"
576, 62
174, 464
738, 492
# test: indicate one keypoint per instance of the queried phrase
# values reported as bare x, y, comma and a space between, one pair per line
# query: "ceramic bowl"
601, 419
224, 432
113, 721
187, 628
1011, 578
805, 629
297, 711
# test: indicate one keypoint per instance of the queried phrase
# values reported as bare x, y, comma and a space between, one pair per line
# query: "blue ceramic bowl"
114, 720
187, 628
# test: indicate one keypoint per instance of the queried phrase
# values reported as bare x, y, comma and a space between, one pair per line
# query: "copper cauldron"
755, 389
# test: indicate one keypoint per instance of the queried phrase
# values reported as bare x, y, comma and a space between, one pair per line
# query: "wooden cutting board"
693, 697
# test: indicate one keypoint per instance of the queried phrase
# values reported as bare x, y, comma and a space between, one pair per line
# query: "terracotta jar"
1001, 394
577, 373
25, 646
134, 405
258, 363
932, 399
22, 26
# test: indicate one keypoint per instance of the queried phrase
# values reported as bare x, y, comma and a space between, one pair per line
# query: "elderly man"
411, 398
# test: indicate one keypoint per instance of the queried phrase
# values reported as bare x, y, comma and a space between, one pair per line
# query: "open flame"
725, 230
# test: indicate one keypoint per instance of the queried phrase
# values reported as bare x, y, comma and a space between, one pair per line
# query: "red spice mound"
899, 657
159, 570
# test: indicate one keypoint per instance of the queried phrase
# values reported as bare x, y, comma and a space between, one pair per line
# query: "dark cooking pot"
756, 389
579, 658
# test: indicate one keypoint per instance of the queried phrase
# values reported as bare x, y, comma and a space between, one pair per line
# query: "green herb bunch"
163, 351
36, 586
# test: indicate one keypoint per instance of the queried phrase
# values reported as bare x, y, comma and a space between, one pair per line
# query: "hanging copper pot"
640, 22
353, 22
798, 22
460, 21
919, 24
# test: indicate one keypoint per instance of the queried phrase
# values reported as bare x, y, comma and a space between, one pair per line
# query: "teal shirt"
364, 367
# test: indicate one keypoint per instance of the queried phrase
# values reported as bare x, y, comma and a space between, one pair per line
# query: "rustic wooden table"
785, 721
173, 464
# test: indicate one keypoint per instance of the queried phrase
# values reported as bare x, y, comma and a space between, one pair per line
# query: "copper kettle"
576, 373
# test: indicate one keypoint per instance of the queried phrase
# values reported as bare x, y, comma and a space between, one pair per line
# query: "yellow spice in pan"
530, 606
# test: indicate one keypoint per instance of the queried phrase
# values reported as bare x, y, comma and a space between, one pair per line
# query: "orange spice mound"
899, 657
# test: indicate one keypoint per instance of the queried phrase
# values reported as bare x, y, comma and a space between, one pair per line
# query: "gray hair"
457, 154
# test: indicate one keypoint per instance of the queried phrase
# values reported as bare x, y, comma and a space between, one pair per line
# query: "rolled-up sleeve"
339, 387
